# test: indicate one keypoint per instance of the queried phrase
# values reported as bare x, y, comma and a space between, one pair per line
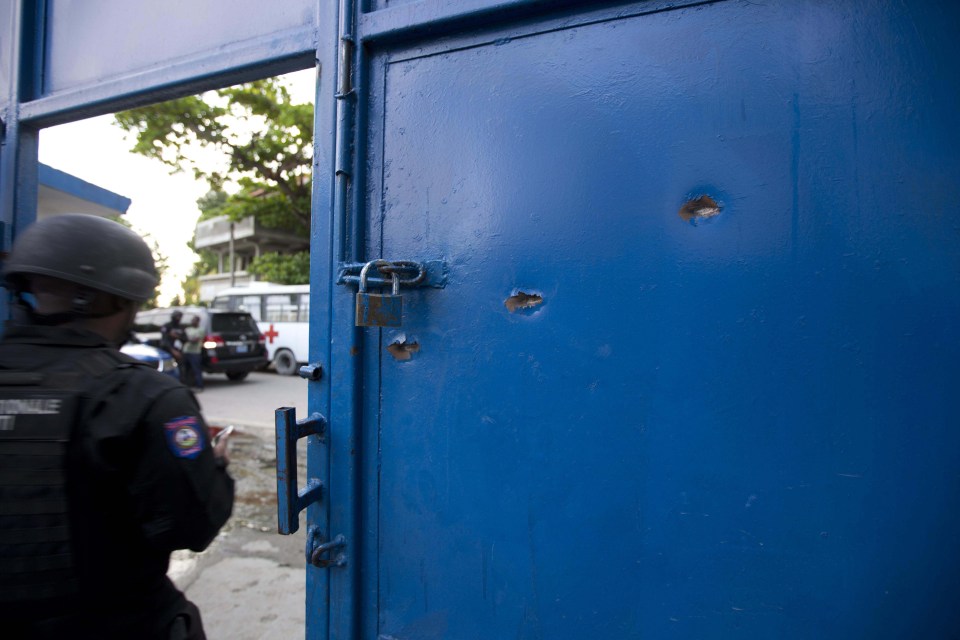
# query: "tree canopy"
254, 147
159, 260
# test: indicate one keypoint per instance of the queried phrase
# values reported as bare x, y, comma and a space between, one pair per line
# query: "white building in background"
60, 192
236, 245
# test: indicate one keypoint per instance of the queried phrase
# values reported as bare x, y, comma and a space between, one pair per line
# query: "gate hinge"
345, 84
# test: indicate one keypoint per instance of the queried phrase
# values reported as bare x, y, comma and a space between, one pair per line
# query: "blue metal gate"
682, 360
690, 372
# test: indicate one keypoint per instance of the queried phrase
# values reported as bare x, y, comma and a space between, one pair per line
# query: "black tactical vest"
39, 412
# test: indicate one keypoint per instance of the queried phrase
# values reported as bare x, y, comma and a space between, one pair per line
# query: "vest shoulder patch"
184, 436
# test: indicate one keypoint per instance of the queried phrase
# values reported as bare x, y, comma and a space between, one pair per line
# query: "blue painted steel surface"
623, 420
32, 33
126, 37
271, 55
332, 397
7, 22
339, 601
741, 424
9, 47
18, 148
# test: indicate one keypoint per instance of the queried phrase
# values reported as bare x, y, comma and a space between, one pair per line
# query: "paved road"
249, 584
251, 403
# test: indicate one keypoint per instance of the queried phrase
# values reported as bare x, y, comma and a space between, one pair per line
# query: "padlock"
378, 309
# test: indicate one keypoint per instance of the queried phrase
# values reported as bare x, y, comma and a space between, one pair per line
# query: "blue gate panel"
734, 424
6, 50
122, 37
377, 5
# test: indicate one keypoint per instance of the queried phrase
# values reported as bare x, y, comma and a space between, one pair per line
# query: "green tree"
264, 145
288, 269
159, 259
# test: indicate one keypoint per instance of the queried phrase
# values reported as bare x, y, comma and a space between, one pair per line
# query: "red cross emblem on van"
270, 334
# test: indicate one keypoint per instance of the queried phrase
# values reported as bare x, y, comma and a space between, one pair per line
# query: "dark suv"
232, 345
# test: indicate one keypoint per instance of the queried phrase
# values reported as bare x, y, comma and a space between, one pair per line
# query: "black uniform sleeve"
165, 340
181, 495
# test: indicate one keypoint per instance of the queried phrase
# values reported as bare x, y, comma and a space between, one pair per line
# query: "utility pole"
233, 269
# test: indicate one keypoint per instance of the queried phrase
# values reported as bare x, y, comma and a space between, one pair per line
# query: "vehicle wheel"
285, 363
237, 376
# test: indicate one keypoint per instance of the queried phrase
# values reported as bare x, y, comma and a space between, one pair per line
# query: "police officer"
106, 465
171, 338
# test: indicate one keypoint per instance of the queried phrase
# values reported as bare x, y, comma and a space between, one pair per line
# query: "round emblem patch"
184, 436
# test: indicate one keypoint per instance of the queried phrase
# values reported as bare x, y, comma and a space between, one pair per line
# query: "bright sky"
164, 205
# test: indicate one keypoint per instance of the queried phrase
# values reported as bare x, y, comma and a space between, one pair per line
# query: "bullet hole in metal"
522, 300
699, 209
400, 349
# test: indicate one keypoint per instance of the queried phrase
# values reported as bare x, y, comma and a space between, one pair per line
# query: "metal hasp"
290, 500
316, 550
430, 273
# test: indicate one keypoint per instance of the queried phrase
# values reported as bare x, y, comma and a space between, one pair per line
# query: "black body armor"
38, 414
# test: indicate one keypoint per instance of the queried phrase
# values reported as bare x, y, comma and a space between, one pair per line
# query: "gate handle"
290, 501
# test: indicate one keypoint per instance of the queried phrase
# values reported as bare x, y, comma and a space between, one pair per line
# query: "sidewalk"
249, 584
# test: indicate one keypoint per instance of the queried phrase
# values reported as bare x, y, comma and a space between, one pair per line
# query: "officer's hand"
221, 447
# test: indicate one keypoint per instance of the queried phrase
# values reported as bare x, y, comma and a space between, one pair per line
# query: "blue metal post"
347, 238
323, 348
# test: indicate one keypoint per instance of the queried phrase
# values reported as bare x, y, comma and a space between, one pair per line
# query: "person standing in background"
171, 340
193, 353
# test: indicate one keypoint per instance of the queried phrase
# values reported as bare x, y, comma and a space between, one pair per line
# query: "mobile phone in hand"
222, 434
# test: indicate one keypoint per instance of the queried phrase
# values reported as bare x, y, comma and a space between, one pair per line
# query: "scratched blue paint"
742, 428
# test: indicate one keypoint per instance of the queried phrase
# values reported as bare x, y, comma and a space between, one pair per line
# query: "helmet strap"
25, 312
82, 302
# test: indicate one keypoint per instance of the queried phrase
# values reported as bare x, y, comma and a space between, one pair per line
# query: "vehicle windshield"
231, 322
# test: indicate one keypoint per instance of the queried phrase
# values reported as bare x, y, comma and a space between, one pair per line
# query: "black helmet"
90, 251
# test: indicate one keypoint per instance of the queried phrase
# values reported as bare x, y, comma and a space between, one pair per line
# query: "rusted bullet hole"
702, 208
522, 300
400, 349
